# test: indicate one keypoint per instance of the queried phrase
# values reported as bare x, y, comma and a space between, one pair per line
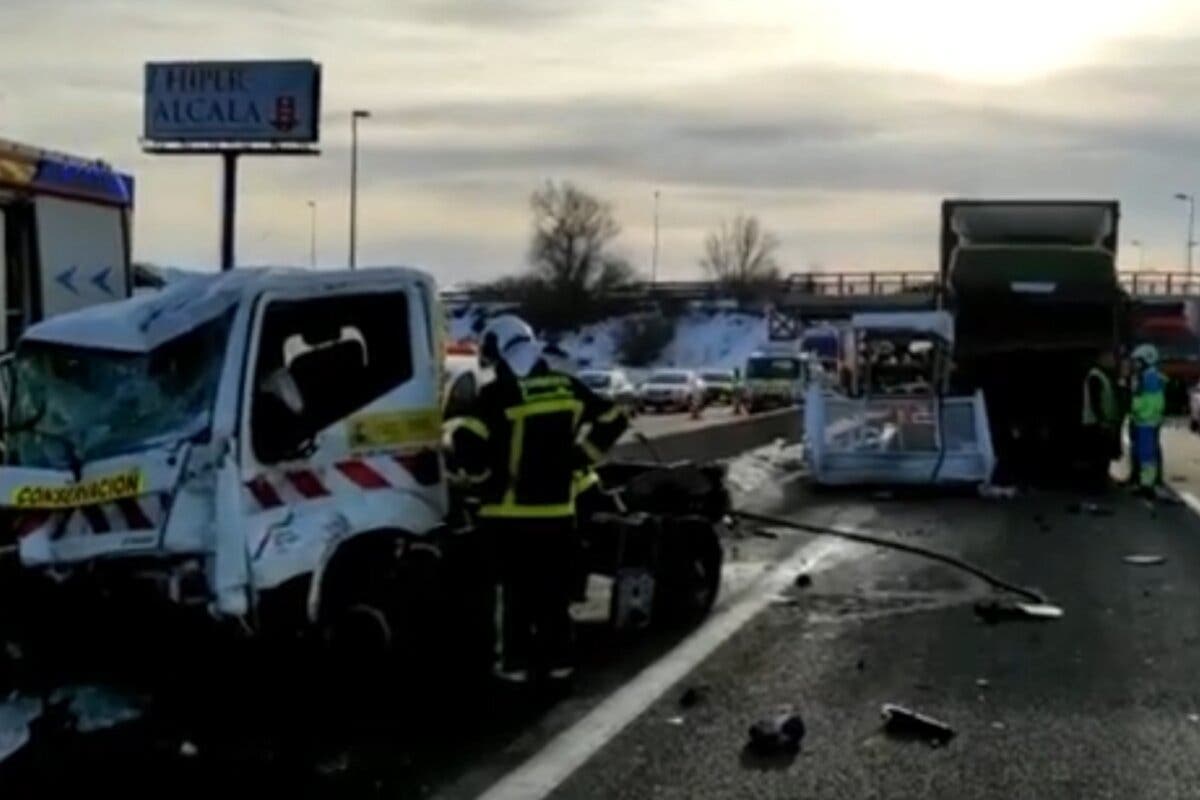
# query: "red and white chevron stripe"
147, 512
369, 473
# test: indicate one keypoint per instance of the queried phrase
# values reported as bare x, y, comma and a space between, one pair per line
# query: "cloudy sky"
840, 123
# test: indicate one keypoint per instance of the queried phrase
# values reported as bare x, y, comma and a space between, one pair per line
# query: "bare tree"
572, 235
741, 253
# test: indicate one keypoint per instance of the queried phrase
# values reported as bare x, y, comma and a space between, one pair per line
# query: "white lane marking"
554, 763
1189, 499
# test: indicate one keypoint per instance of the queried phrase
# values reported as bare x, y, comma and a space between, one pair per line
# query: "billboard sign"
267, 102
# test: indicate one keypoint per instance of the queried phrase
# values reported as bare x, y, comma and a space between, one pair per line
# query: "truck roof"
32, 169
144, 322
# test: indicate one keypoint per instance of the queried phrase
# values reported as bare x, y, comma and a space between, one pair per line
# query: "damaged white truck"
264, 446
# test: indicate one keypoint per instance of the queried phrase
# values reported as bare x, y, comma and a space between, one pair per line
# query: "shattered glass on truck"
73, 404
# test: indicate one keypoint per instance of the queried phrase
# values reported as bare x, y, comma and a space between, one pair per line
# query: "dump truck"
1033, 288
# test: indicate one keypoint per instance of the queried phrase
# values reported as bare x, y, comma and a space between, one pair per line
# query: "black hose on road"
882, 541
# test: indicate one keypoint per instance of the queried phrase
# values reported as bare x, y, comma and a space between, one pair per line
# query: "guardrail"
1141, 283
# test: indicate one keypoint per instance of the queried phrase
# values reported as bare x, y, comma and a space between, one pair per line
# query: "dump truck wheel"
689, 574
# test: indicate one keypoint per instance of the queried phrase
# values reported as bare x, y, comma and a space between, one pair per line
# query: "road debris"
676, 721
780, 733
993, 611
998, 726
906, 723
765, 533
694, 695
1094, 509
803, 581
982, 683
97, 708
1144, 559
16, 714
188, 749
991, 492
1193, 718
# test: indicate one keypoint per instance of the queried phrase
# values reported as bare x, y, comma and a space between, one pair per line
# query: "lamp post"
1141, 252
654, 252
312, 233
355, 116
1190, 199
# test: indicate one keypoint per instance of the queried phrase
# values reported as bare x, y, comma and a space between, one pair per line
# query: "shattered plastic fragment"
779, 733
188, 749
901, 721
995, 611
990, 492
1144, 559
16, 714
1094, 509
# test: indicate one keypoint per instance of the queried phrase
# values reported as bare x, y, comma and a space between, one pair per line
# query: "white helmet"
1145, 353
509, 338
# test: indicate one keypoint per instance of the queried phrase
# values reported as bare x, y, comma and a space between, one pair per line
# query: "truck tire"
688, 576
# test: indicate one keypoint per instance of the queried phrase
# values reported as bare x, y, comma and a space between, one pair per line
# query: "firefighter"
520, 447
1101, 417
1147, 407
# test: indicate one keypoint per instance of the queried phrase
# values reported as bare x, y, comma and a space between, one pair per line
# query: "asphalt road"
1102, 703
655, 425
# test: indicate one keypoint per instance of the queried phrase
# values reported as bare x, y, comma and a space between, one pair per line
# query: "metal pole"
654, 252
312, 233
228, 210
353, 186
1191, 242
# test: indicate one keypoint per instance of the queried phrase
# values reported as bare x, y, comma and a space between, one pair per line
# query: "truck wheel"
689, 574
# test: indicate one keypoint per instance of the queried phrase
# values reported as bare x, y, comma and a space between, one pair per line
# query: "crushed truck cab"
232, 436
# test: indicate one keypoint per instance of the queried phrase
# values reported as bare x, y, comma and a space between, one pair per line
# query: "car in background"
719, 386
672, 390
774, 380
462, 377
614, 385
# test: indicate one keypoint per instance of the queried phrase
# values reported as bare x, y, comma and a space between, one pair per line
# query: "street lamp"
654, 252
1141, 252
355, 116
312, 233
1190, 199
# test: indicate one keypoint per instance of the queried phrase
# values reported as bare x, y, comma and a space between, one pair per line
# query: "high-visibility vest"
1149, 398
1108, 399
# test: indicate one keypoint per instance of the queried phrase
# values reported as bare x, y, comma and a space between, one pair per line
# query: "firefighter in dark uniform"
528, 434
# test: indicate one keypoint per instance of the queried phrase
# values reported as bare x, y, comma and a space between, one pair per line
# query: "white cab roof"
144, 322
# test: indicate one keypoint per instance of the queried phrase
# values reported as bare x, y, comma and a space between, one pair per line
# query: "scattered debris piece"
16, 714
1178, 479
97, 708
765, 533
883, 494
694, 695
1144, 559
1193, 717
785, 600
904, 722
993, 611
676, 721
999, 726
861, 665
188, 749
1094, 509
776, 734
803, 581
333, 765
991, 492
982, 683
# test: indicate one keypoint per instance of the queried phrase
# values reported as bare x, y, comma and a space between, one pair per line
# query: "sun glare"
983, 41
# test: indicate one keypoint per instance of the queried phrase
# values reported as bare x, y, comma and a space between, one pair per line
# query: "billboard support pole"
229, 210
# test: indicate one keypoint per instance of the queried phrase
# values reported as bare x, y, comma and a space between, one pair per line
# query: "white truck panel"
81, 249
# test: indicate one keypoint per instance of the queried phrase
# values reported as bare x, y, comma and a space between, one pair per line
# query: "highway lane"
1102, 703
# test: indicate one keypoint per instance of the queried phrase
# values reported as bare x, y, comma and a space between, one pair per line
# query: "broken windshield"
74, 404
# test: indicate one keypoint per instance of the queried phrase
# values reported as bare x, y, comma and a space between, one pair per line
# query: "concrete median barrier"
722, 439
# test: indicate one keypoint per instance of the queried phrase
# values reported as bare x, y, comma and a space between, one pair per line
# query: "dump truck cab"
1034, 291
231, 435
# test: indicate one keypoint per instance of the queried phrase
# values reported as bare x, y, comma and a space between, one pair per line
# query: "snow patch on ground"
714, 339
763, 468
